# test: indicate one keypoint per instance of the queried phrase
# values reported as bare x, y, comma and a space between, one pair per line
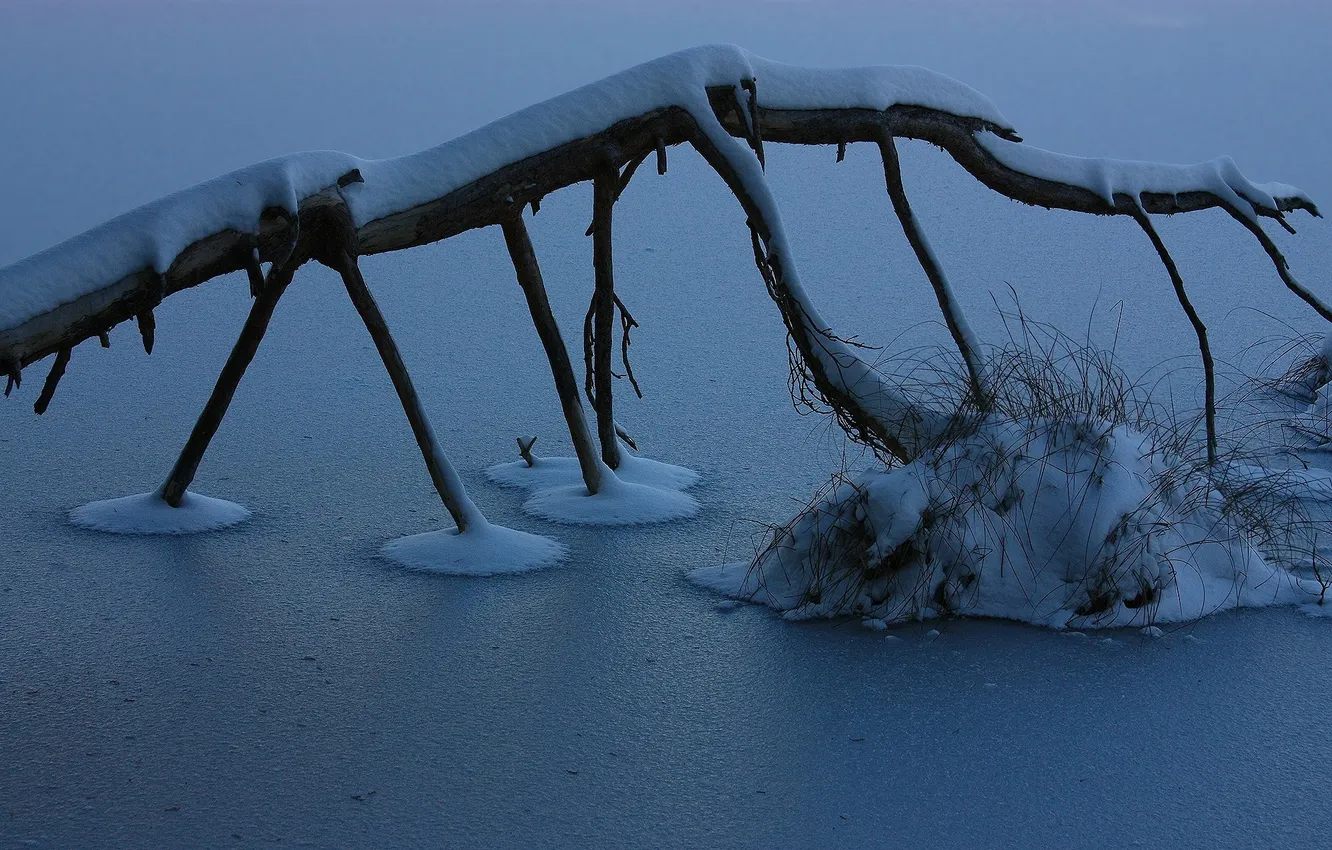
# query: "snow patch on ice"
147, 513
618, 503
729, 579
641, 491
483, 550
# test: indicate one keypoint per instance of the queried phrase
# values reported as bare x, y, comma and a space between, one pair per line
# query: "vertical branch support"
52, 380
603, 302
242, 354
1198, 327
529, 278
953, 317
447, 483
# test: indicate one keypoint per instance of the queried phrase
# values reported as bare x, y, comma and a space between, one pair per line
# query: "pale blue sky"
110, 104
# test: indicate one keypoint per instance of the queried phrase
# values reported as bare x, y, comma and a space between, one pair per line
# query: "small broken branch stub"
624, 435
13, 377
254, 270
525, 449
147, 329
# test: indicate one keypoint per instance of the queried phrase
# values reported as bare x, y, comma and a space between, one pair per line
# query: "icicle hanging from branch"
147, 329
13, 378
152, 296
254, 270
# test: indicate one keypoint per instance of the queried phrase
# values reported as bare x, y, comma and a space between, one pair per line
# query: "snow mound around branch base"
640, 492
618, 503
1055, 524
1314, 423
560, 471
482, 550
147, 513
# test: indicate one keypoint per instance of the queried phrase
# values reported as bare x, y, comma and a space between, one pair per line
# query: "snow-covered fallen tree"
725, 102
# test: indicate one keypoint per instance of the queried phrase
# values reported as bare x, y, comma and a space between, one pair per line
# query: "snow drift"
1055, 523
1077, 503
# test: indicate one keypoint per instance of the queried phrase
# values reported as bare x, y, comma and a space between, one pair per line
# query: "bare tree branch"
920, 244
1200, 329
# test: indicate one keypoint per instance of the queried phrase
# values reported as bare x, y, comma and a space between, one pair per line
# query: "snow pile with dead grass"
1074, 503
1061, 524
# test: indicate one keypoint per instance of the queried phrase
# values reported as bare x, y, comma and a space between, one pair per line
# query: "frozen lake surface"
279, 683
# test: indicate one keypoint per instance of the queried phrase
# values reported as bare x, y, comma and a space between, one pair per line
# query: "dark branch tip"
14, 376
